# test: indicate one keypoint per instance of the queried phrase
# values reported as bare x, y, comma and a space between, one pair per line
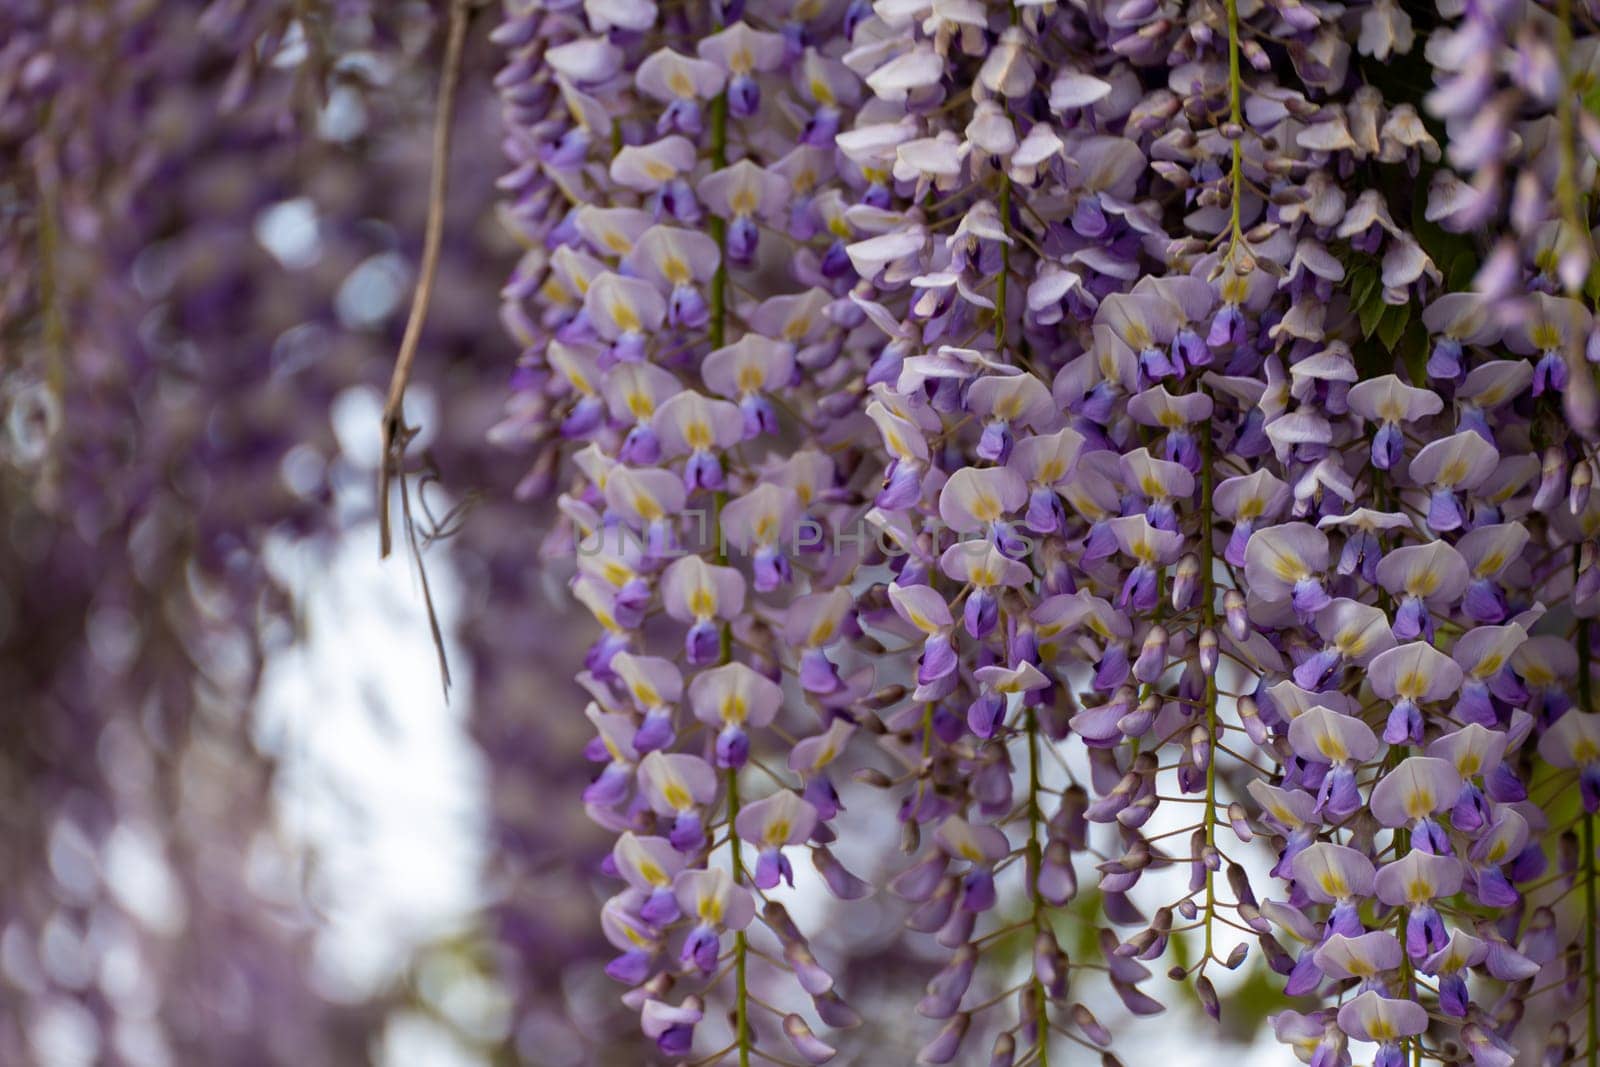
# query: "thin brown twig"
396, 434
434, 629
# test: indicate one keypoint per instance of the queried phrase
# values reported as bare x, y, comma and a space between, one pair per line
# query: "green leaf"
1459, 274
1591, 286
1412, 352
1370, 314
1591, 99
1371, 360
1393, 325
1363, 279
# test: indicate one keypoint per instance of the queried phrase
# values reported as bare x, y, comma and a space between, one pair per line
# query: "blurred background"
241, 822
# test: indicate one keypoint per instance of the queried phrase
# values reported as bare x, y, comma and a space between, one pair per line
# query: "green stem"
1208, 622
741, 992
1591, 974
717, 331
1408, 976
1035, 859
1575, 229
1005, 268
718, 226
1035, 864
1236, 120
1591, 906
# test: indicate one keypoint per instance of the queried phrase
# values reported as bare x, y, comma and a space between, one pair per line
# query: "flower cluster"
1215, 382
166, 387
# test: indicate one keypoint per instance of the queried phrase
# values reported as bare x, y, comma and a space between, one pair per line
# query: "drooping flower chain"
1055, 416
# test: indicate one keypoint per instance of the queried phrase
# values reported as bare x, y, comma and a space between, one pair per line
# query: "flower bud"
887, 697
1578, 487
1152, 659
936, 908
1208, 652
946, 988
1084, 1020
811, 1048
871, 776
957, 930
1138, 813
1233, 610
1057, 883
840, 882
832, 1010
1185, 581
1050, 964
1552, 476
1200, 746
810, 974
1250, 719
1141, 718
1240, 822
1239, 883
944, 1047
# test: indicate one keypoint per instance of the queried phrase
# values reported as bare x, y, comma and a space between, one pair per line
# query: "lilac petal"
1485, 601
687, 833
703, 643
1444, 511
733, 747
702, 948
981, 613
977, 890
984, 714
1404, 724
817, 673
655, 732
840, 882
630, 968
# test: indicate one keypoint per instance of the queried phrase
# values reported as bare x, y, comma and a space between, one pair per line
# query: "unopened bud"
886, 697
1141, 718
1208, 997
1234, 612
944, 1047
1240, 822
1250, 719
1084, 1020
1152, 659
811, 1047
1208, 651
1552, 475
1200, 746
1185, 580
1578, 487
